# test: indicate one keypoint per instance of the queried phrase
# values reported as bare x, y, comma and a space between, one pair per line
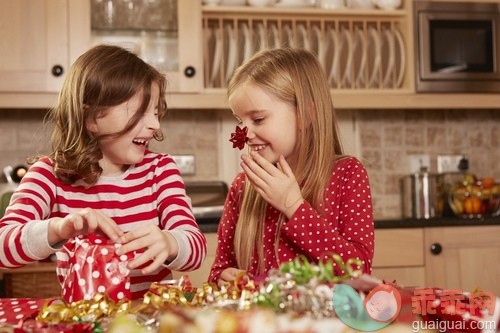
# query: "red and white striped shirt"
149, 192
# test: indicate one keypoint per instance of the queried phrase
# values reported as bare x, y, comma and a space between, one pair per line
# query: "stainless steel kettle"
423, 195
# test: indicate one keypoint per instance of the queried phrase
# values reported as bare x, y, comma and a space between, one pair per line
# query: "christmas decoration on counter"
239, 137
296, 297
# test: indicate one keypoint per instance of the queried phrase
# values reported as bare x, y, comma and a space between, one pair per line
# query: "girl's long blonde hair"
296, 77
103, 77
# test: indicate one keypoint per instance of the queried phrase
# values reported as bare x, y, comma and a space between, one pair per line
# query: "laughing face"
271, 123
127, 149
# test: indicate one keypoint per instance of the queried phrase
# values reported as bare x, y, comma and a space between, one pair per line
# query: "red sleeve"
346, 228
225, 256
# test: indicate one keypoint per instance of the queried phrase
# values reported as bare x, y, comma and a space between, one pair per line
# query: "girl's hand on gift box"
83, 222
152, 243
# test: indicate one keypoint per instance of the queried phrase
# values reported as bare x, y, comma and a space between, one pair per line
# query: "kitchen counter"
436, 222
211, 226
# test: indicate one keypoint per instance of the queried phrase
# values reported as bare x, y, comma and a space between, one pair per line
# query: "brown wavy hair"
103, 77
295, 77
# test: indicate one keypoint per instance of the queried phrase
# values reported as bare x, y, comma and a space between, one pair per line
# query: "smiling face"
127, 149
271, 123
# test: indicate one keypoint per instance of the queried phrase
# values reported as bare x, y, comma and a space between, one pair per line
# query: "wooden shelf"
302, 11
345, 99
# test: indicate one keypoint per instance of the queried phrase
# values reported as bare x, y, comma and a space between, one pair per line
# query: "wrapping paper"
93, 268
12, 310
298, 290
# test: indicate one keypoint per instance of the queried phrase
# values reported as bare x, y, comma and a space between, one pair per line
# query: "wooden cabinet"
361, 50
463, 258
166, 34
39, 39
399, 255
454, 257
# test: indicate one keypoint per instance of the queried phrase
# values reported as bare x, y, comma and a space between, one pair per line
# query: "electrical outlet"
186, 164
419, 163
448, 163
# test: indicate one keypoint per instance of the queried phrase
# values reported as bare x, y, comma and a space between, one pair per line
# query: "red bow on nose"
239, 138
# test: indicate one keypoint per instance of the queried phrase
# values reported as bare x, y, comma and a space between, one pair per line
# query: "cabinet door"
190, 75
33, 44
170, 42
399, 255
463, 258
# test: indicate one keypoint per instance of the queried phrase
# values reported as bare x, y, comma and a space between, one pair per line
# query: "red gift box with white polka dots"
94, 267
12, 310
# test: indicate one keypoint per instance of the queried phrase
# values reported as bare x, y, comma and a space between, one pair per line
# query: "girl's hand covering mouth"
239, 138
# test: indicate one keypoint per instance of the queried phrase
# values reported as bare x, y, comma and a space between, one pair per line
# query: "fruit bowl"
475, 199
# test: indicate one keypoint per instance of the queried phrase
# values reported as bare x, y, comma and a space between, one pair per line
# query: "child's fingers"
99, 220
264, 166
285, 167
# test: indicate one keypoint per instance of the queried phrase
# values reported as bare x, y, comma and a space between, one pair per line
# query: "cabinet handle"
436, 249
190, 71
57, 70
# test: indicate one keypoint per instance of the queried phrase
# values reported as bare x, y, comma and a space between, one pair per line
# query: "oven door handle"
208, 212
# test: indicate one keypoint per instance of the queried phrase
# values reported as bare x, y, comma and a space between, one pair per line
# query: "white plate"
274, 37
360, 55
247, 41
217, 55
232, 51
292, 3
262, 37
328, 49
348, 77
374, 57
401, 58
337, 42
301, 38
287, 39
318, 45
390, 43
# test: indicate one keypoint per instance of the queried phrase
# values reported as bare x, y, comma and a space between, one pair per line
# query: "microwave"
457, 46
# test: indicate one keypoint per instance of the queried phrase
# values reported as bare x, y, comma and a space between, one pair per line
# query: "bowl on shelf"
475, 199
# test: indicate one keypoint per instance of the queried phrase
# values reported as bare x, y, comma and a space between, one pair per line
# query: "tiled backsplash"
386, 139
23, 134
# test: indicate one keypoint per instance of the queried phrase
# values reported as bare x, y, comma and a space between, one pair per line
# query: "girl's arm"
225, 256
347, 229
177, 219
24, 228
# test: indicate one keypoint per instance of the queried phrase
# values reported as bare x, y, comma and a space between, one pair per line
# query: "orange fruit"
472, 205
488, 182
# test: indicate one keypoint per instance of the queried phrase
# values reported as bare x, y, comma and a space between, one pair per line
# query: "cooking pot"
423, 195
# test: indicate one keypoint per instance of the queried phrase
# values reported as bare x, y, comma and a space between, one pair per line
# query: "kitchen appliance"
423, 195
457, 46
207, 199
13, 175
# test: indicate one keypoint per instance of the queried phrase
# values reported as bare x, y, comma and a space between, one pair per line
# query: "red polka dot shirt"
346, 228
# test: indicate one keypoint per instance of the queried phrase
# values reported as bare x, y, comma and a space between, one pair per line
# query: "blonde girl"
298, 194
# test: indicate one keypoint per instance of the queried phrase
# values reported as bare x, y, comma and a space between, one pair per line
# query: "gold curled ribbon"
286, 288
92, 310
